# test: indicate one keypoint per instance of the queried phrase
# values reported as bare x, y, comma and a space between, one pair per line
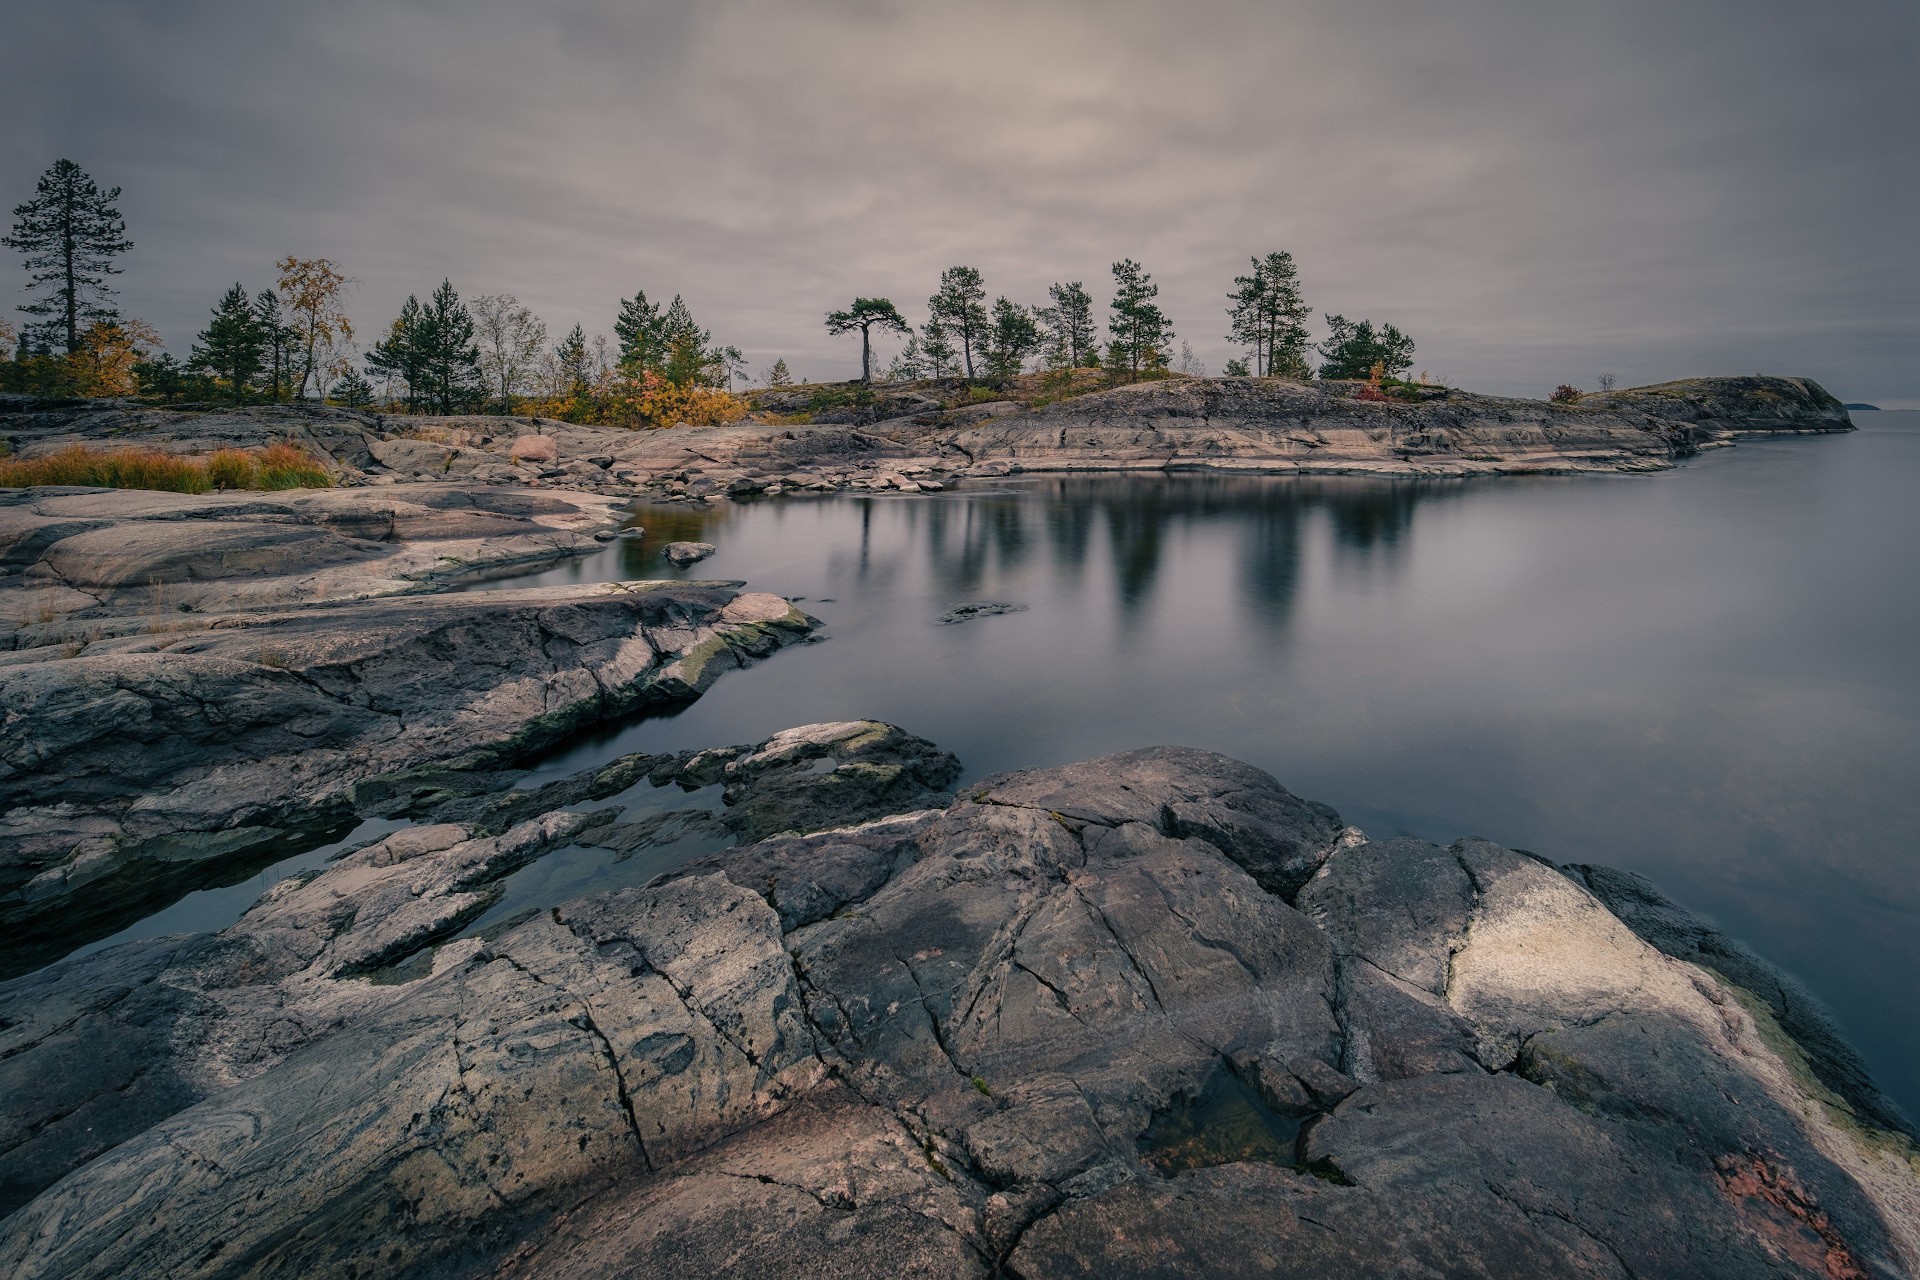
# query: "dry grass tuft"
280, 466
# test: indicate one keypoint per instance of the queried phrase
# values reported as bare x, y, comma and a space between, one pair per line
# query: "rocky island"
923, 436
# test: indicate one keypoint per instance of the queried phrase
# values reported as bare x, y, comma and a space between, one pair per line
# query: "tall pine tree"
231, 347
277, 350
1011, 338
959, 310
1138, 332
1269, 318
687, 360
401, 354
573, 364
450, 356
69, 234
1068, 325
641, 331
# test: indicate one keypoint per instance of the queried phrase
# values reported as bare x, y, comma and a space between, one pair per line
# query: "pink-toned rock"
758, 606
534, 449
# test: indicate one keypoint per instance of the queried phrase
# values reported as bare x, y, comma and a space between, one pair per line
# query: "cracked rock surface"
215, 675
947, 1041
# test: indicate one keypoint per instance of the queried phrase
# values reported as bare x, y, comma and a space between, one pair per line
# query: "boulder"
682, 554
534, 449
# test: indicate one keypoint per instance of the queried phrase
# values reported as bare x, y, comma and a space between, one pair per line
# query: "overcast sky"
1537, 191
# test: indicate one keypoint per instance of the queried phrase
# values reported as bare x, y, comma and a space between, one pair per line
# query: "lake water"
1707, 675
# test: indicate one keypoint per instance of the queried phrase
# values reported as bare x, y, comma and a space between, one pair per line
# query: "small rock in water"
682, 554
984, 609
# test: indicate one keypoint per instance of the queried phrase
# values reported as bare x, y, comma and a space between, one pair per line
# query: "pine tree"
960, 310
450, 356
352, 390
641, 331
278, 345
936, 348
1011, 338
231, 347
909, 362
1269, 317
778, 376
1138, 332
1070, 336
1353, 349
574, 363
863, 315
686, 359
402, 355
69, 234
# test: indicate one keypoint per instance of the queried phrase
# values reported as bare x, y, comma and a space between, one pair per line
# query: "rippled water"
1707, 675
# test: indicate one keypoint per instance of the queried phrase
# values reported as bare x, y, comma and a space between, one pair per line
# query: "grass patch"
279, 466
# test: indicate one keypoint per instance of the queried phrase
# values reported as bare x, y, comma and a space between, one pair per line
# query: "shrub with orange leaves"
644, 403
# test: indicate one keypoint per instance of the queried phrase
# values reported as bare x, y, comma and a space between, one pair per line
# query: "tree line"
964, 337
443, 355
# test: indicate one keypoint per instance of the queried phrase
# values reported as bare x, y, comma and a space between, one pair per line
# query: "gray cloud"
1537, 192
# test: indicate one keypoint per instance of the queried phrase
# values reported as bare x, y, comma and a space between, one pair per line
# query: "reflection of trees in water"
1270, 560
967, 538
1375, 515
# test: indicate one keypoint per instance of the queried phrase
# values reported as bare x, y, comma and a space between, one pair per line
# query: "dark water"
1707, 676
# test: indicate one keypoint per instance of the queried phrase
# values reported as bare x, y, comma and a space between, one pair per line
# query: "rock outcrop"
72, 559
146, 755
909, 439
1149, 1015
193, 681
902, 442
95, 1051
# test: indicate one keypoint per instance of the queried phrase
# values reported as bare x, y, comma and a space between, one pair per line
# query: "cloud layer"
1539, 193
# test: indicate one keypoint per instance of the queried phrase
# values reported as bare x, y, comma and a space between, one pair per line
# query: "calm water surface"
1707, 676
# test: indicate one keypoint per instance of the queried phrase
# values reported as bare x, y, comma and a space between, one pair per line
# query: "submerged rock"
1147, 1015
982, 609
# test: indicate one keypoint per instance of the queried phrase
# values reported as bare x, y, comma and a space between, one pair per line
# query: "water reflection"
1705, 676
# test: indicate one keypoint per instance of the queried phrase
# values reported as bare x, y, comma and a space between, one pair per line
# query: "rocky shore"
923, 437
1147, 1015
193, 682
825, 1012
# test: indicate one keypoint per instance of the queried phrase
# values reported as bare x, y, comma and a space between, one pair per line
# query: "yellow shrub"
648, 402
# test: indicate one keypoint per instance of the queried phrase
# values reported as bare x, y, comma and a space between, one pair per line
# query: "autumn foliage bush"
1564, 394
279, 466
648, 402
